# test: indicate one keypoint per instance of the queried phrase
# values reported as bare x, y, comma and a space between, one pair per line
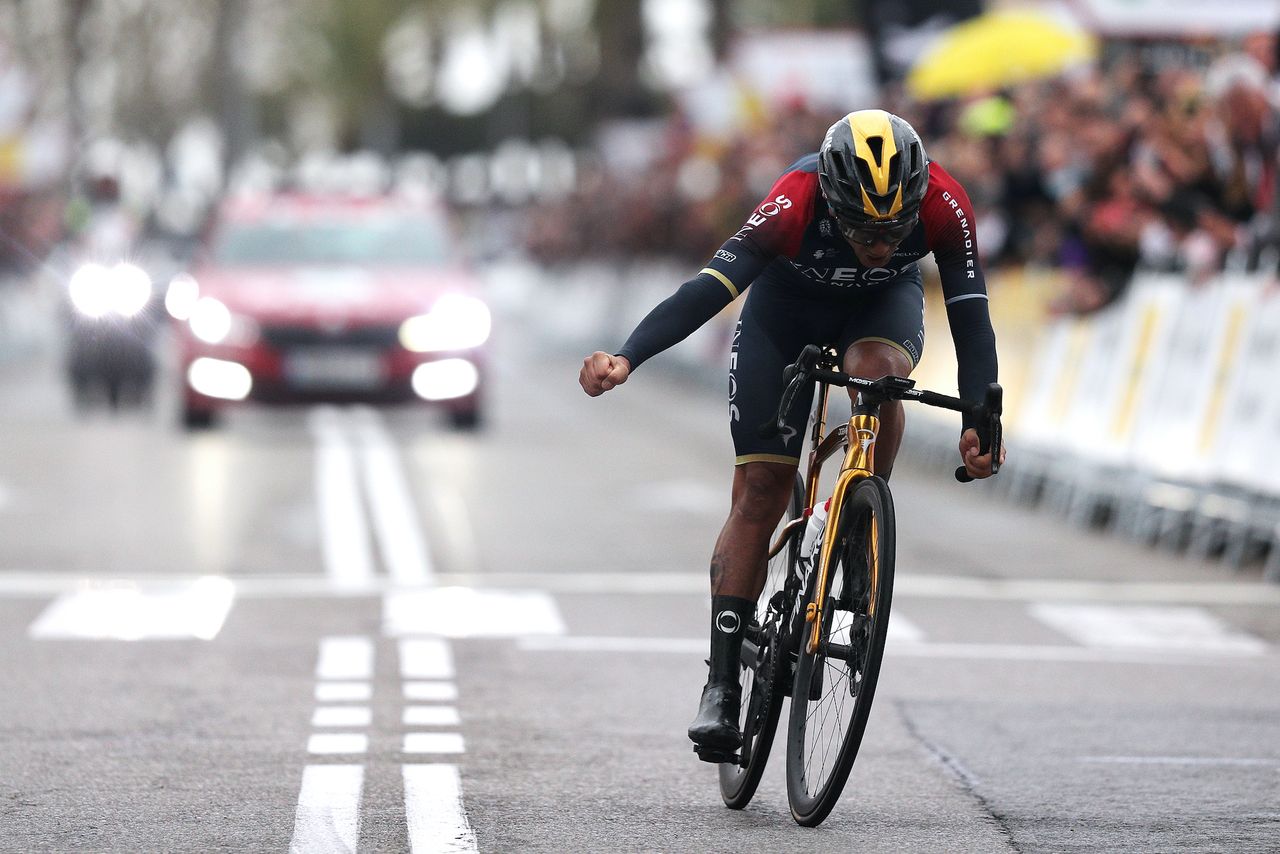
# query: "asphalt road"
325, 629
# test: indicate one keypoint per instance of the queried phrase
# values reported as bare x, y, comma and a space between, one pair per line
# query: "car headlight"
97, 290
181, 296
131, 289
455, 322
88, 290
213, 323
210, 320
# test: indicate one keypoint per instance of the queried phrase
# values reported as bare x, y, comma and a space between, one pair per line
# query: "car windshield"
371, 241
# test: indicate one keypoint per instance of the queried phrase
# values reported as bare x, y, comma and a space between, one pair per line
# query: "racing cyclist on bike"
829, 256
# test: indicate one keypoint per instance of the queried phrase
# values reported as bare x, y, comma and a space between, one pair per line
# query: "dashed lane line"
395, 521
433, 806
344, 533
345, 658
327, 818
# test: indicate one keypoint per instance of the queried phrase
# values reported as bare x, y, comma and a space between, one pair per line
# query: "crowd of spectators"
1132, 163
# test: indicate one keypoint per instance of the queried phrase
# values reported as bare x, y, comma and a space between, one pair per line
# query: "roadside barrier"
1156, 418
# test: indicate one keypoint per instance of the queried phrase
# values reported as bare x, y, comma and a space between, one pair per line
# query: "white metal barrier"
1164, 411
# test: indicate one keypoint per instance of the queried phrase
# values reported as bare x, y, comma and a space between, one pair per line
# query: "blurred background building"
605, 149
1094, 137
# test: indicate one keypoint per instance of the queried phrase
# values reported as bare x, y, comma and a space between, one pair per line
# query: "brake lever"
990, 430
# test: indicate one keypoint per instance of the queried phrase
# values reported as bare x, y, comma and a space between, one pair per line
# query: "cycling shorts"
779, 319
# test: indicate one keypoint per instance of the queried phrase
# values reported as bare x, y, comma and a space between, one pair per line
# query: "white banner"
1178, 17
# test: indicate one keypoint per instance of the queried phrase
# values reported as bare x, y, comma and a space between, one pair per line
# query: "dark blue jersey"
793, 235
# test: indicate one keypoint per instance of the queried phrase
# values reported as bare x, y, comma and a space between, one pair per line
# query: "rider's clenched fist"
601, 372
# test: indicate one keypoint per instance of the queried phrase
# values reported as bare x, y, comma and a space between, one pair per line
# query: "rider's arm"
975, 341
953, 238
774, 228
698, 300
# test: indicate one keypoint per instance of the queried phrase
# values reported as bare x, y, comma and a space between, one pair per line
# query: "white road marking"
144, 611
344, 534
455, 520
434, 742
341, 716
1041, 653
328, 815
613, 644
431, 716
1075, 590
680, 496
433, 806
464, 612
903, 630
332, 743
395, 515
425, 658
442, 692
26, 584
1146, 627
1227, 761
345, 658
337, 692
894, 648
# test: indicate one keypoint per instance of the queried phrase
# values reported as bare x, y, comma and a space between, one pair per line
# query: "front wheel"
764, 664
836, 682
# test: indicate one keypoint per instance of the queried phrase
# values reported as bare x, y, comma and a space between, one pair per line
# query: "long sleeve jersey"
793, 233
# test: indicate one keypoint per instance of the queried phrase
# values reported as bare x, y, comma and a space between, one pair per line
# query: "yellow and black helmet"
872, 169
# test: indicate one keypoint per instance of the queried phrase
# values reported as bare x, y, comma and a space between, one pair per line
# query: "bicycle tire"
763, 690
834, 721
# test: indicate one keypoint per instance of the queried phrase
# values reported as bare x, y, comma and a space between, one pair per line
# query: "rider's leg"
760, 494
874, 359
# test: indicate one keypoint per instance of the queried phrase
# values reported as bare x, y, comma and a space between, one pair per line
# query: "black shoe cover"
716, 725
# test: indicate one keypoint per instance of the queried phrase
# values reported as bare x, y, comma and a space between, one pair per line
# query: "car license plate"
333, 368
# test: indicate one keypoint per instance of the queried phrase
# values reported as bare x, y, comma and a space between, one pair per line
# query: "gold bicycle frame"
859, 437
859, 462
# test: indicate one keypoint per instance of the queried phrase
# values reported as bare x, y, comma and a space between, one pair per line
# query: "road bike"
823, 616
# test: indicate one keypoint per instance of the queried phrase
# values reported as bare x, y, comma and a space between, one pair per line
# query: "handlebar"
817, 364
990, 432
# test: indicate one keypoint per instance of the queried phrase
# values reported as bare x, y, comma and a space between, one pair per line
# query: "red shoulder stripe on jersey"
949, 224
777, 225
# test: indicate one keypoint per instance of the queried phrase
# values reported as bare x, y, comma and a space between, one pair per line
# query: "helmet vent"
876, 144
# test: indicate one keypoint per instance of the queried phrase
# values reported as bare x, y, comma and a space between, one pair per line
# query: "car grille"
286, 337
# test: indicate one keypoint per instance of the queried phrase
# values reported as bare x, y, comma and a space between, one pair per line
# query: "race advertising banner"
1178, 17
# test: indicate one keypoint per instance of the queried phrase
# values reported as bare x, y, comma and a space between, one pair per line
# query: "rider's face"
877, 254
874, 245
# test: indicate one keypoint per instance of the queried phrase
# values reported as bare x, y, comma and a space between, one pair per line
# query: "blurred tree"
722, 13
235, 107
800, 13
350, 70
73, 22
617, 89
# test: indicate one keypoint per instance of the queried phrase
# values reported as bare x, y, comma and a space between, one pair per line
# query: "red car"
300, 298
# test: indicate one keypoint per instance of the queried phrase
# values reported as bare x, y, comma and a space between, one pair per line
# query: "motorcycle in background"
112, 312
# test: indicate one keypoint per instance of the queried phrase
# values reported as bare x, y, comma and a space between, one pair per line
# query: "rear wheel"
836, 682
763, 680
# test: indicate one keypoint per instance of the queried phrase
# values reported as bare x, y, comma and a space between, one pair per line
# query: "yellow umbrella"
997, 49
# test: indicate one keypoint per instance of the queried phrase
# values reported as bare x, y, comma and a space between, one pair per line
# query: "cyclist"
829, 256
